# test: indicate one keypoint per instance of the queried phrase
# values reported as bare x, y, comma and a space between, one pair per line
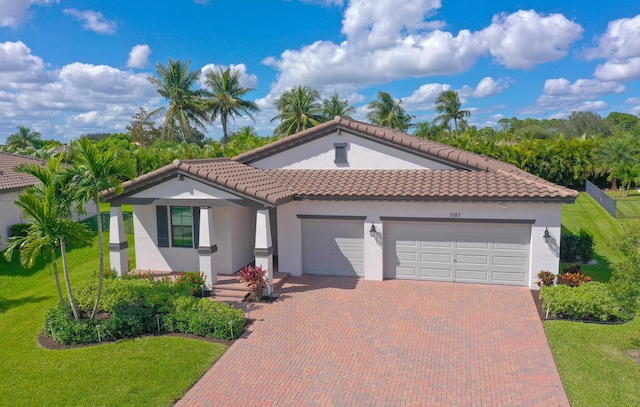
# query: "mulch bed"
48, 342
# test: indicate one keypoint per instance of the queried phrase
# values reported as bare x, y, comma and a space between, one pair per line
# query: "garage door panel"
483, 252
333, 247
436, 273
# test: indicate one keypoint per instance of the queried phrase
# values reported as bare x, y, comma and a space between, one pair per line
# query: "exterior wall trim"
118, 246
332, 217
258, 251
459, 220
207, 249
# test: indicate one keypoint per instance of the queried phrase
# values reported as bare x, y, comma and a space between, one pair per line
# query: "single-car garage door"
333, 247
495, 253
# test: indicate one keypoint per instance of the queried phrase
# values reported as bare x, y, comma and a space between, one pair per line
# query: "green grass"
588, 215
150, 371
591, 358
592, 362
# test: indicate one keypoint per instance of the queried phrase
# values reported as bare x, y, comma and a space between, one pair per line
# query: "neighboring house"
346, 198
11, 185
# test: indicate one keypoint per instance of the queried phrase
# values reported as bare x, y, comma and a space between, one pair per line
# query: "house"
11, 185
346, 198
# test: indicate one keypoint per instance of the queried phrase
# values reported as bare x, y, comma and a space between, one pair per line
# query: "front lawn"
588, 215
150, 371
593, 364
592, 358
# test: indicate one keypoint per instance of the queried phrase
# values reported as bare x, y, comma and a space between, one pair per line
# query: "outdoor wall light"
372, 231
547, 235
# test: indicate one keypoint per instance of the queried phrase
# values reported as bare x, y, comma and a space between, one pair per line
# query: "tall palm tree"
299, 110
46, 204
93, 172
334, 106
226, 98
448, 105
614, 155
385, 111
186, 105
25, 138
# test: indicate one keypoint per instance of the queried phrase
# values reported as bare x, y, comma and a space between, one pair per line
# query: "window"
341, 153
181, 226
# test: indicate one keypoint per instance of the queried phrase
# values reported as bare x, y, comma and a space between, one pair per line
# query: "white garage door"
333, 247
495, 253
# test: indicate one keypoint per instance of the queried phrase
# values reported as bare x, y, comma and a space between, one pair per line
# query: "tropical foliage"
334, 106
186, 107
298, 109
225, 100
388, 112
448, 106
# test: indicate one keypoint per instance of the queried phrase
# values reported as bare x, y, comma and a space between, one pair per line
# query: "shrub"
18, 229
592, 302
204, 318
133, 305
193, 279
625, 279
576, 247
256, 280
572, 279
546, 278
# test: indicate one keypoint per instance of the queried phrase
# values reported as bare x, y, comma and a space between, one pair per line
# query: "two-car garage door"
496, 253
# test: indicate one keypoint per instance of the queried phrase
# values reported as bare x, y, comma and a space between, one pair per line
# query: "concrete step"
226, 293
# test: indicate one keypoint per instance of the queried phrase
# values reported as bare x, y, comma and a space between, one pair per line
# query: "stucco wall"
10, 214
361, 154
543, 256
233, 235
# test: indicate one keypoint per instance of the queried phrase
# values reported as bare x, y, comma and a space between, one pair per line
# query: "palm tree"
299, 110
448, 105
226, 98
428, 130
333, 107
93, 172
23, 139
187, 105
615, 155
385, 111
46, 204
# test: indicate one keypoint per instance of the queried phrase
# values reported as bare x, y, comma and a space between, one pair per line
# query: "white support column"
206, 247
118, 256
263, 250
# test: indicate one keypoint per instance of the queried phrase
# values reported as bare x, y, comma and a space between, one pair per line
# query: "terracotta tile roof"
222, 172
415, 184
442, 152
12, 180
478, 177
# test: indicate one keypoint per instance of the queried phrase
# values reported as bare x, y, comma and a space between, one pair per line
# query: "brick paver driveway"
341, 341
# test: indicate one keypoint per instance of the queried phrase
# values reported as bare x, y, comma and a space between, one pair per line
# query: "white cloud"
93, 20
139, 56
425, 96
562, 96
19, 69
392, 39
246, 80
619, 69
620, 44
64, 103
486, 87
13, 12
526, 38
325, 3
632, 101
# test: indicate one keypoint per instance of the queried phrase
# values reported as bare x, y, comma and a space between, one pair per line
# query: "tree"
334, 106
142, 129
616, 157
46, 204
226, 98
448, 106
187, 106
93, 172
299, 110
585, 123
385, 111
428, 130
25, 138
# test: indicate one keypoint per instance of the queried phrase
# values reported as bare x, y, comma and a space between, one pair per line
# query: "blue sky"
74, 67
